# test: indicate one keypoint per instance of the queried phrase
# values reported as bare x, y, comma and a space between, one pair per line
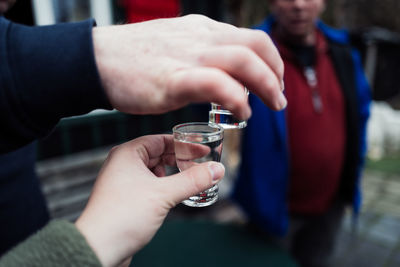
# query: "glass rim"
220, 130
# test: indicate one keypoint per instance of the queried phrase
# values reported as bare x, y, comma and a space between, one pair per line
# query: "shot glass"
223, 117
195, 143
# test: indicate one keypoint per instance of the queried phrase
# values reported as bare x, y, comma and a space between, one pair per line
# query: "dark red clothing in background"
142, 10
316, 140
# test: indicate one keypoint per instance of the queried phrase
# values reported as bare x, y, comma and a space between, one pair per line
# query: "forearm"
46, 73
58, 244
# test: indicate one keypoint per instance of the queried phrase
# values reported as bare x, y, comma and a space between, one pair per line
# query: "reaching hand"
130, 201
162, 65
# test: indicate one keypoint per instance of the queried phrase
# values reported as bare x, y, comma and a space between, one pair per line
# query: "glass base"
204, 199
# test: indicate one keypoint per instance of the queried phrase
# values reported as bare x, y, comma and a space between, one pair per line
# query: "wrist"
108, 241
100, 44
100, 243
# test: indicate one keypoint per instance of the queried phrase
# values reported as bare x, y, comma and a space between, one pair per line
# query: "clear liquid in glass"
195, 151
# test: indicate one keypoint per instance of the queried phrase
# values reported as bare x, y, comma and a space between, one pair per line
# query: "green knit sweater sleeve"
58, 244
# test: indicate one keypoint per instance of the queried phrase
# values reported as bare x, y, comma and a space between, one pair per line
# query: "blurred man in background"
301, 167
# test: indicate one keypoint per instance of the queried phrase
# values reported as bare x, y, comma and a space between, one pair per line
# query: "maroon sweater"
316, 138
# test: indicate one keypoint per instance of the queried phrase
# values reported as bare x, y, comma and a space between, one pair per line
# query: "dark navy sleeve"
46, 73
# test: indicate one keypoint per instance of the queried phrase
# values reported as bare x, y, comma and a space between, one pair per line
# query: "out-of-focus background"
69, 159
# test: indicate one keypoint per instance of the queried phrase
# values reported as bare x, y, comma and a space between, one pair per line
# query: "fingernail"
282, 102
217, 170
282, 85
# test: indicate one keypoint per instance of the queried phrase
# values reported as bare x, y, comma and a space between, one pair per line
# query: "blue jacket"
262, 186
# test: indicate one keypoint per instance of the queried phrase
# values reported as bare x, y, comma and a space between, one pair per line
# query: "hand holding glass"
198, 142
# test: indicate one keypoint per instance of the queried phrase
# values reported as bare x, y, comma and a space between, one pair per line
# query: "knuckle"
199, 17
243, 52
227, 28
114, 149
215, 84
201, 24
259, 38
175, 82
216, 76
269, 82
241, 56
220, 86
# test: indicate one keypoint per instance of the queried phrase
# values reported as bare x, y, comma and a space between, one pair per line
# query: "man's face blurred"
297, 17
5, 5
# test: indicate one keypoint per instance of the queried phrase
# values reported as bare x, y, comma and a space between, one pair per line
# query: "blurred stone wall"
246, 13
356, 14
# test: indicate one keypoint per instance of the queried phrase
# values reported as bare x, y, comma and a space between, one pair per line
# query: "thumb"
194, 180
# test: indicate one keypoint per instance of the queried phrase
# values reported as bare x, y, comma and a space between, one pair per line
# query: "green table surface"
201, 243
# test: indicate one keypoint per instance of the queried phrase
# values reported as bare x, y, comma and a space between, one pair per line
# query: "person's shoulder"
340, 36
3, 21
